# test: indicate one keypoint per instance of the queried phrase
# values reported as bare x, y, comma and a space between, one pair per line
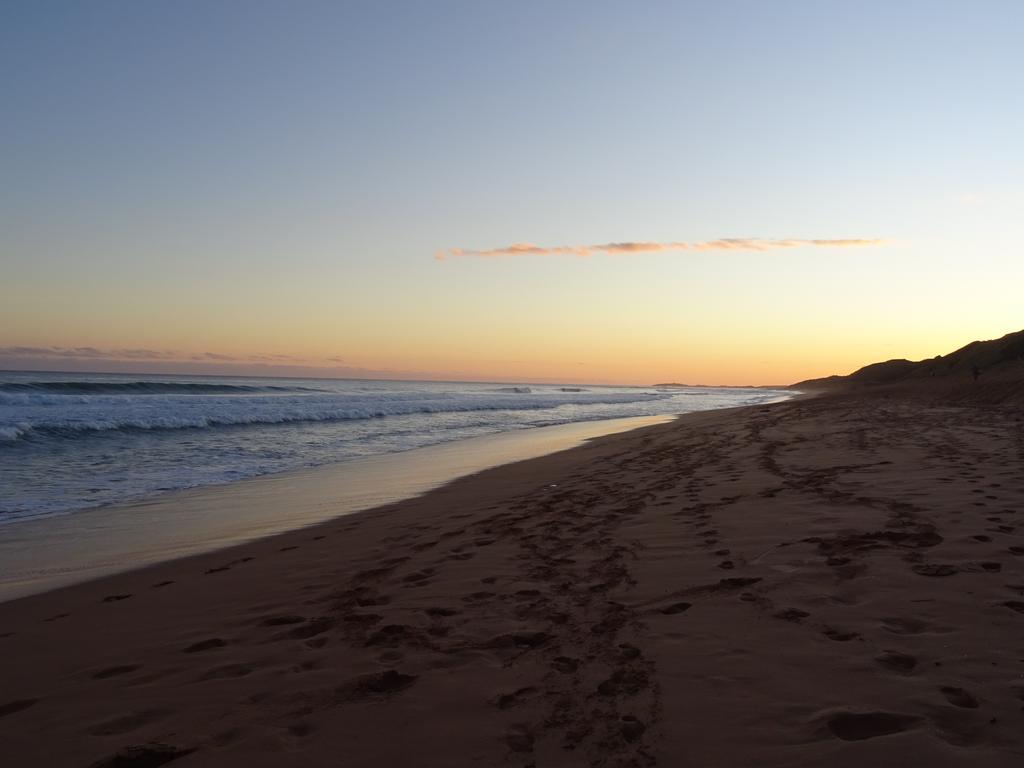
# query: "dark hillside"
990, 371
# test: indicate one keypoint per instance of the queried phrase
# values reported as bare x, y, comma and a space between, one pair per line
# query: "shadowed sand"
836, 581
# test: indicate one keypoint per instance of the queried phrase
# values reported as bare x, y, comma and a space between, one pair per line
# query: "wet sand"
106, 540
836, 581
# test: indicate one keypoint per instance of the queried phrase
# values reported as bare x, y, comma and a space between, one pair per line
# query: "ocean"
71, 442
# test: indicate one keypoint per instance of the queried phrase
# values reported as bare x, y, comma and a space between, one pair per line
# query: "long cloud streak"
725, 244
153, 355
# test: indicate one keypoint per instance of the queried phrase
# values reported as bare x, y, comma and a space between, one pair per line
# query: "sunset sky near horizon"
705, 192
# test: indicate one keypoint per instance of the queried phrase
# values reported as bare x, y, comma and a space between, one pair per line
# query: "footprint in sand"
935, 569
507, 700
362, 619
628, 652
624, 681
527, 593
675, 608
394, 635
519, 738
522, 640
128, 723
371, 574
15, 706
737, 582
372, 600
857, 726
312, 628
474, 596
300, 730
632, 729
958, 697
378, 684
227, 671
205, 645
989, 566
897, 662
839, 636
792, 614
565, 664
145, 756
438, 612
905, 626
123, 669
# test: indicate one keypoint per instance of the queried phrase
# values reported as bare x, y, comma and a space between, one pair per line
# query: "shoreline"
823, 581
100, 541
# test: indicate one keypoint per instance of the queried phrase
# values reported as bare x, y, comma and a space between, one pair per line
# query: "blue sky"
270, 177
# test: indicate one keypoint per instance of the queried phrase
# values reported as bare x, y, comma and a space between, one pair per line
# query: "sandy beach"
830, 581
49, 552
511, 385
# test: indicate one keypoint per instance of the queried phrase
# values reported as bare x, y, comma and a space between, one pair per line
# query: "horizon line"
414, 380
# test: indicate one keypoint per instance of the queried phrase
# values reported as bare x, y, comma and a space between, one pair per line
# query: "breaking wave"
75, 441
40, 414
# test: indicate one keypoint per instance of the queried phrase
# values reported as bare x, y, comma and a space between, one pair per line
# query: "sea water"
70, 442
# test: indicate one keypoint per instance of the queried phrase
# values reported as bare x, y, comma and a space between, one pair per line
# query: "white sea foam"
71, 442
13, 431
25, 413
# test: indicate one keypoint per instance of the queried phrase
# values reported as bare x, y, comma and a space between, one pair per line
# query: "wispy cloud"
725, 244
169, 361
87, 353
151, 355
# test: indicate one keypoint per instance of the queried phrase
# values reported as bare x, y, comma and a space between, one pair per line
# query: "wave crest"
40, 415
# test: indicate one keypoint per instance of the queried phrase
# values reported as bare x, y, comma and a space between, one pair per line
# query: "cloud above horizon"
174, 362
154, 355
724, 244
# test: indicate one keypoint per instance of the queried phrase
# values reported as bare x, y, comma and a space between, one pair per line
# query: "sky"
597, 192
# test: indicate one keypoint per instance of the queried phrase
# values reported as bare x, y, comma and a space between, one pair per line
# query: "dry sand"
827, 582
